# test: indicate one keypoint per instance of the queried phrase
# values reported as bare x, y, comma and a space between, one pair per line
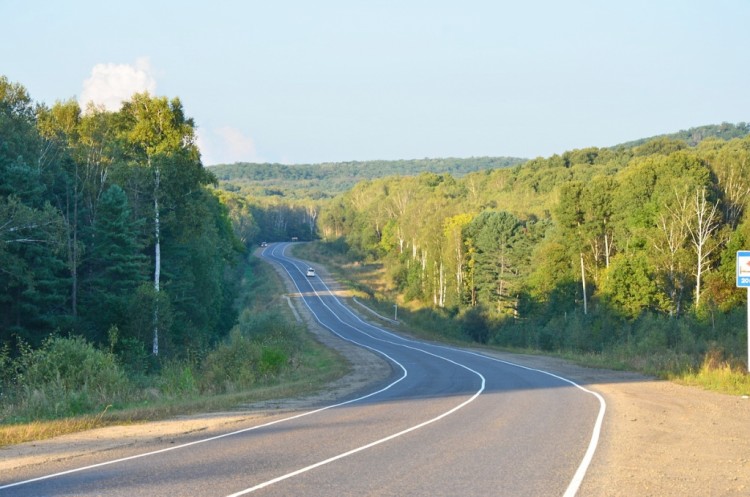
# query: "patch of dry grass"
40, 430
718, 373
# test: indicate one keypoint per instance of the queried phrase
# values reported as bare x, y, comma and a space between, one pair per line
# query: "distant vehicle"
310, 272
294, 239
263, 244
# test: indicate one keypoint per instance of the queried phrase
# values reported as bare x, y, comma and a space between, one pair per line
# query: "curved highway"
448, 422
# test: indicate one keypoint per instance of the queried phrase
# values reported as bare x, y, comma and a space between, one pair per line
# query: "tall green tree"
571, 216
32, 295
630, 287
160, 141
58, 128
494, 235
114, 266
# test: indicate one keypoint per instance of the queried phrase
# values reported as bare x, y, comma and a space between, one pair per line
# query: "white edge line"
364, 447
580, 473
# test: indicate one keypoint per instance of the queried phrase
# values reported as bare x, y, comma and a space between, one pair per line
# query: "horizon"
524, 159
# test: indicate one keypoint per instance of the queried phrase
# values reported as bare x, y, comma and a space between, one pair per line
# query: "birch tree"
732, 170
702, 226
669, 245
456, 251
158, 132
598, 217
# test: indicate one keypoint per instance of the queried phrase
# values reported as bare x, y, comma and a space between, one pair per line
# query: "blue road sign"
743, 268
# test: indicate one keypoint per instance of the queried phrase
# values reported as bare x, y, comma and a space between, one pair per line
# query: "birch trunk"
706, 223
583, 284
157, 261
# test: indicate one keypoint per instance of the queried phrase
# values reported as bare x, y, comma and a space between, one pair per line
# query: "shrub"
7, 368
474, 324
260, 325
66, 376
231, 366
272, 361
177, 379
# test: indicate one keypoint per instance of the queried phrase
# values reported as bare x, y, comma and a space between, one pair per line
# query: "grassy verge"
289, 363
708, 367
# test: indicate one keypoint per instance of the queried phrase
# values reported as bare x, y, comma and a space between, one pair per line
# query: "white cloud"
110, 84
226, 145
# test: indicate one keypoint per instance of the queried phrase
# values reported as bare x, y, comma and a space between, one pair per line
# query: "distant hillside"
326, 180
693, 136
330, 179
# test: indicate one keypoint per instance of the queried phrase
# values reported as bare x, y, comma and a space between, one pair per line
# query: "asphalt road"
448, 422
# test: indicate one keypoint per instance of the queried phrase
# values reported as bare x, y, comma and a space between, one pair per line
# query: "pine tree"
114, 268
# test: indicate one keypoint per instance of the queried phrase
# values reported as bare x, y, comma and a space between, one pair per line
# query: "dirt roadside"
658, 438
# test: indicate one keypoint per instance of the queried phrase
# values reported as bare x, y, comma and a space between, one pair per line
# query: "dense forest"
319, 181
582, 250
110, 228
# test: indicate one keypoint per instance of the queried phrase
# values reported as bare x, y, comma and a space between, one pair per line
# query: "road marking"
580, 473
362, 448
382, 440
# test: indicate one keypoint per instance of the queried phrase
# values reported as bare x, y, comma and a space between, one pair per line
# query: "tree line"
322, 181
601, 236
110, 228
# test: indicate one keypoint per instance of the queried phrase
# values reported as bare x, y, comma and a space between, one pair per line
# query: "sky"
329, 81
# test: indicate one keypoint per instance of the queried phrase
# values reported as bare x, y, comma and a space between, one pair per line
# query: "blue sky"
315, 81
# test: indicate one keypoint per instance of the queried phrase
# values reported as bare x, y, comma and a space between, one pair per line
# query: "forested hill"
589, 249
693, 136
331, 178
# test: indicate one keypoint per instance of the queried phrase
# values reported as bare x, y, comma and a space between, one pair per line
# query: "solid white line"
580, 473
360, 449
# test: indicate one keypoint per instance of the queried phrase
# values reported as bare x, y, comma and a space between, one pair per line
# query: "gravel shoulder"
658, 438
